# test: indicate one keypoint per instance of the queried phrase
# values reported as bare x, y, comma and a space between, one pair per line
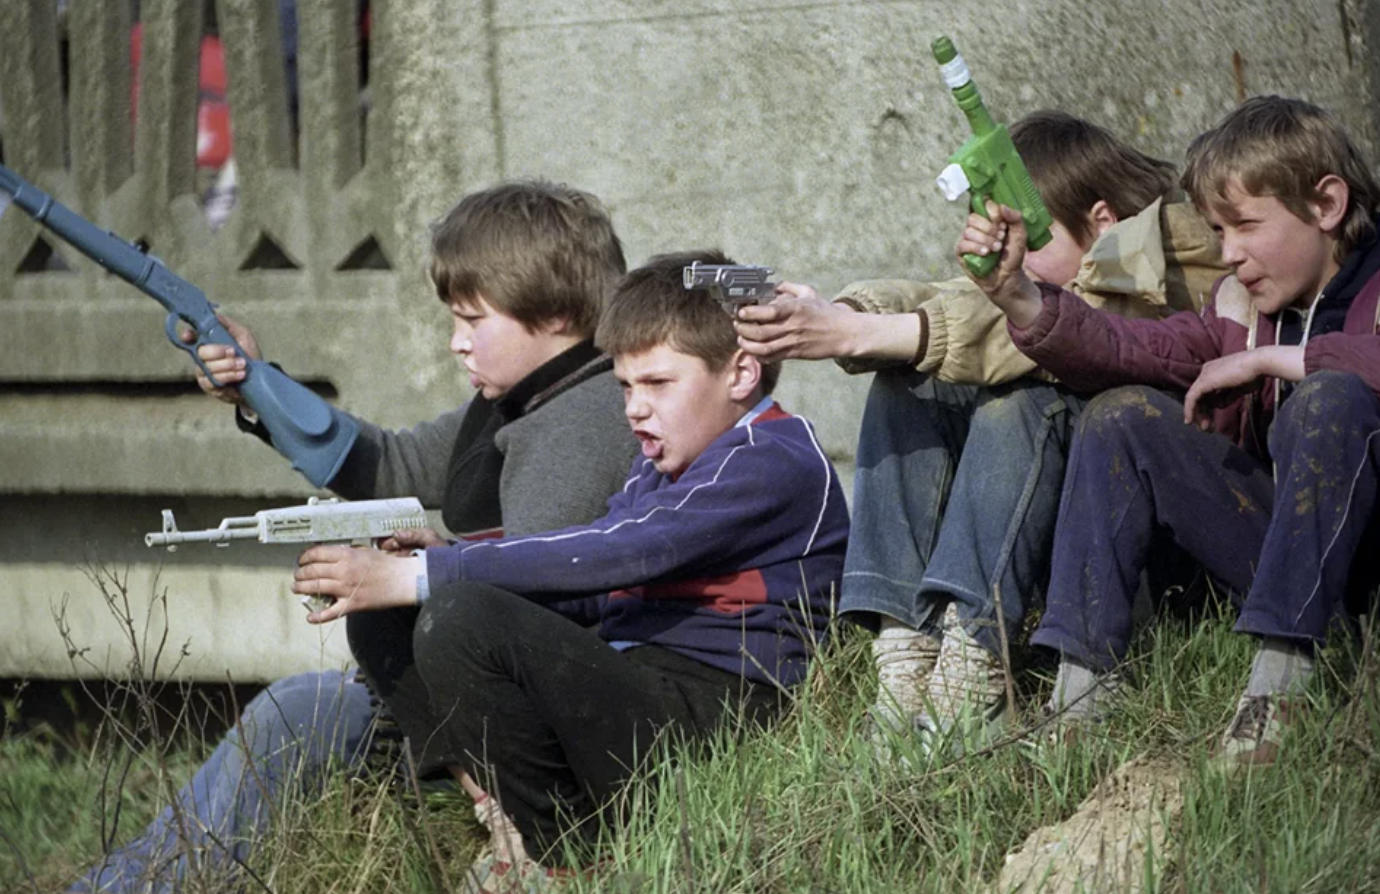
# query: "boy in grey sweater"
524, 269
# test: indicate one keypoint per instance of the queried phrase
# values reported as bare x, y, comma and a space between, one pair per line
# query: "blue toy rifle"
311, 433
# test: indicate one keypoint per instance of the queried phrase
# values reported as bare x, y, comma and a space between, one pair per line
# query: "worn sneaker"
505, 840
1256, 732
965, 700
491, 874
904, 659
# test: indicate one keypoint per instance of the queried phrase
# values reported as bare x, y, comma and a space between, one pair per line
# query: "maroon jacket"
1090, 351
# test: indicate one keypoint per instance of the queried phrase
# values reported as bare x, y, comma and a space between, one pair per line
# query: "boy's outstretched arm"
1007, 286
800, 325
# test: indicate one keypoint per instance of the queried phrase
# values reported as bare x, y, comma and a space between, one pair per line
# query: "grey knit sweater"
562, 458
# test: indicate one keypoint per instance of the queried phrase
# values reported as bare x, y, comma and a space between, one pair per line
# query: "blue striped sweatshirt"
736, 563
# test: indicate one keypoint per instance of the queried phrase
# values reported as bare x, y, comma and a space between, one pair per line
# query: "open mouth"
651, 444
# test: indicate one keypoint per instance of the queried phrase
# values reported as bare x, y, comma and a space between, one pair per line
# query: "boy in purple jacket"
711, 577
1265, 470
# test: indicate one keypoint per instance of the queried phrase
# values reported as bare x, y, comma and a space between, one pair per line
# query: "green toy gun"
987, 166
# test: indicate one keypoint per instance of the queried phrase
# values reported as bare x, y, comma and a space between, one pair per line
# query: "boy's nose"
1232, 254
635, 408
460, 343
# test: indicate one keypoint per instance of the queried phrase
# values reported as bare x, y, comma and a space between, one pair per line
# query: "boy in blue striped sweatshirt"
711, 579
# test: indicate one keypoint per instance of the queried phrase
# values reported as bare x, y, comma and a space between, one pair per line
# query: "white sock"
1279, 666
1080, 693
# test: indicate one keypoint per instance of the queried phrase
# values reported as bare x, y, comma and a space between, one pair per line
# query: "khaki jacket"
1161, 261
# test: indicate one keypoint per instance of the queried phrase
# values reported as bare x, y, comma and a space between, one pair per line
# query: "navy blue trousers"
1288, 541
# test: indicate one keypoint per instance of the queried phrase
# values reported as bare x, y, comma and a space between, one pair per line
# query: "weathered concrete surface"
800, 135
232, 608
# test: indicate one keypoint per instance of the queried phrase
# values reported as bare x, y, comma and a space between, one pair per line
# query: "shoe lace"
1251, 718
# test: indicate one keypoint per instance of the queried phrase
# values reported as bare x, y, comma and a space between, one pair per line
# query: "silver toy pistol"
734, 285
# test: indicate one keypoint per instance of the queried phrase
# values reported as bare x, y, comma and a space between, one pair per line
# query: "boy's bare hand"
1002, 233
358, 580
222, 361
403, 542
1223, 380
796, 325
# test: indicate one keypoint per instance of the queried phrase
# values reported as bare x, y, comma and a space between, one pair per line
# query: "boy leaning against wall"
713, 572
963, 442
1265, 470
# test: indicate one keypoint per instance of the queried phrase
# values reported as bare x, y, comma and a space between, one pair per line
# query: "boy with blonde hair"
1265, 471
713, 572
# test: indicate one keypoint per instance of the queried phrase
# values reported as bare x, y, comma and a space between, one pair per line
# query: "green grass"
809, 807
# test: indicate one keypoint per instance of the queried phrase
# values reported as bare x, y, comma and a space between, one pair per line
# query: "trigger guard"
170, 327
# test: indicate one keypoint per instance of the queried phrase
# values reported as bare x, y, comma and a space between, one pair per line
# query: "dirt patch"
1106, 844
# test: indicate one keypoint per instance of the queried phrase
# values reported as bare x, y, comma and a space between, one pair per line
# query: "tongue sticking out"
651, 447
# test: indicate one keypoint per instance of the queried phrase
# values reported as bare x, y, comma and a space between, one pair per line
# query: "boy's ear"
1102, 217
1329, 209
746, 377
556, 326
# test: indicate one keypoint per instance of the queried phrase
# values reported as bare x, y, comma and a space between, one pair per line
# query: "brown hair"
652, 307
534, 250
1075, 164
1281, 147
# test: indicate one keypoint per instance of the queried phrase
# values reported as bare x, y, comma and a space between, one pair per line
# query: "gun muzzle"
229, 529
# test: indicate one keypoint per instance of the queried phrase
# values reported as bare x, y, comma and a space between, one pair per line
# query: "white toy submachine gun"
358, 523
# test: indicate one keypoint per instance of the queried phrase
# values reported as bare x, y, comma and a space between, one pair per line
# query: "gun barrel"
230, 529
111, 252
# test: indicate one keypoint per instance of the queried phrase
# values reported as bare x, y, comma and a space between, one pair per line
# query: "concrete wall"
800, 135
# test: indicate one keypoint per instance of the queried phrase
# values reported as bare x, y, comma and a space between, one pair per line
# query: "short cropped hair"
652, 307
1075, 164
1282, 147
533, 250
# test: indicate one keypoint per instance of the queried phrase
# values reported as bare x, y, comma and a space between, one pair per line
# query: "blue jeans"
293, 732
955, 497
1291, 540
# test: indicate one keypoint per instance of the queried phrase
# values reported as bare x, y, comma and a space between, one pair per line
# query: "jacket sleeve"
727, 513
1092, 350
882, 296
411, 462
1359, 354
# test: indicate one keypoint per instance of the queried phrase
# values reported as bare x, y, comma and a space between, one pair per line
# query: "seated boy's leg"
1326, 451
912, 436
1325, 442
995, 540
382, 644
550, 718
286, 737
1135, 465
999, 526
913, 432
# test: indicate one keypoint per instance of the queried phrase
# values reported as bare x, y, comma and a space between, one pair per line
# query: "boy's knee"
1328, 394
455, 615
1129, 410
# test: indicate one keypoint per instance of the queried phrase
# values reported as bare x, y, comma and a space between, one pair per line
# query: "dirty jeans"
287, 738
1287, 542
955, 497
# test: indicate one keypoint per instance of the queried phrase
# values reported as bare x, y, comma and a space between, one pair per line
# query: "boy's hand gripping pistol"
734, 285
987, 166
358, 523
